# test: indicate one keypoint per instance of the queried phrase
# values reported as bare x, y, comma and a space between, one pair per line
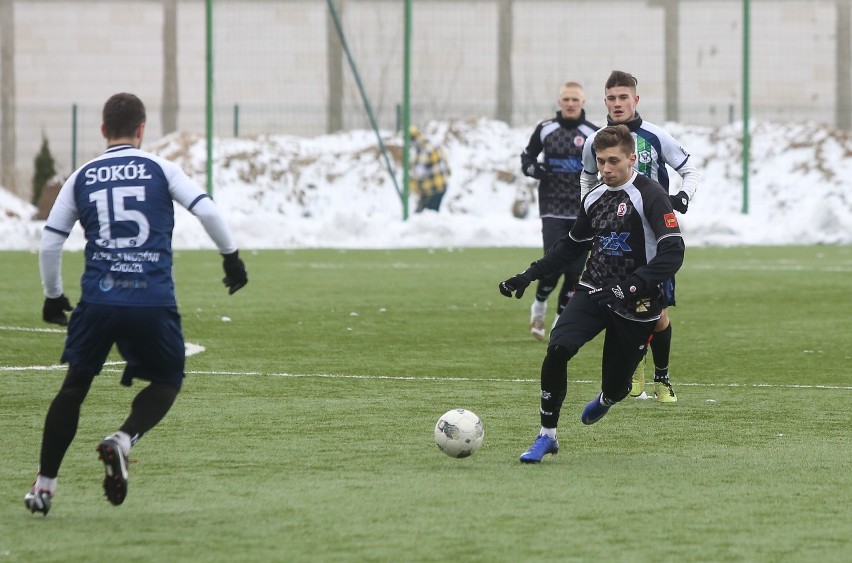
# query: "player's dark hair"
620, 78
614, 136
123, 113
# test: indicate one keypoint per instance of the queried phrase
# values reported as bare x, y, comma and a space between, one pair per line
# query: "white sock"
123, 441
549, 432
48, 483
539, 307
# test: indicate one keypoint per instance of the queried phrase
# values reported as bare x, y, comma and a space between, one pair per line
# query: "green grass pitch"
304, 429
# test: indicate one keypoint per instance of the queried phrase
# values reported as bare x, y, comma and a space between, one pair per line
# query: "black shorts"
624, 345
149, 338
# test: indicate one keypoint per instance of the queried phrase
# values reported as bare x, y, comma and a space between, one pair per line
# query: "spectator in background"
560, 141
429, 172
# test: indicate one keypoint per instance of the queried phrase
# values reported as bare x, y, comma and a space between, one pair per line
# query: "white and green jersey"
655, 148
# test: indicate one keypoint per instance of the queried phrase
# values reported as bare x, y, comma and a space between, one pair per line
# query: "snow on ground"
334, 191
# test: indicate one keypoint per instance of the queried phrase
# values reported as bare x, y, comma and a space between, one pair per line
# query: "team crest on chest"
644, 157
579, 141
622, 209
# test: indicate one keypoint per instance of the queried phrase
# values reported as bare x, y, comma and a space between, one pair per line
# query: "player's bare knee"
663, 321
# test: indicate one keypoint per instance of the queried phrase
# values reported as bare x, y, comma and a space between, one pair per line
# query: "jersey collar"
627, 183
571, 123
634, 124
121, 147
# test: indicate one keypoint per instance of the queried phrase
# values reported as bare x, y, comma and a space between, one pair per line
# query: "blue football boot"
542, 446
594, 411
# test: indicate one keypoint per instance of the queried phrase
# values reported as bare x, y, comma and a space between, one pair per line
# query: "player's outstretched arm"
691, 178
50, 266
213, 222
516, 284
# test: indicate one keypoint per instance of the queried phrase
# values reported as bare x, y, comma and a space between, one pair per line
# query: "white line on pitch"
55, 367
433, 378
191, 350
26, 329
504, 380
772, 268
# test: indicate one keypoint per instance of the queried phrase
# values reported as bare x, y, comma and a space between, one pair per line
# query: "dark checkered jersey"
632, 230
562, 142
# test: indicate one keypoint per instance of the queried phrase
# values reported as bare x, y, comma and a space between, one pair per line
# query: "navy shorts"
668, 288
149, 338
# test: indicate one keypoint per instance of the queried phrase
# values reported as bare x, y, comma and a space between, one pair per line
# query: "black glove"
235, 272
537, 170
680, 201
517, 284
627, 291
54, 310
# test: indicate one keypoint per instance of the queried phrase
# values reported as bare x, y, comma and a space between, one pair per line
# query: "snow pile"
335, 191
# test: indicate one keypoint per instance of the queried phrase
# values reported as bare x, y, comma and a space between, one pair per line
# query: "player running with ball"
630, 227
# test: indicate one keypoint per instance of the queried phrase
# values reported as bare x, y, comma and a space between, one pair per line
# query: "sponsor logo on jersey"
615, 243
671, 220
622, 209
107, 283
570, 165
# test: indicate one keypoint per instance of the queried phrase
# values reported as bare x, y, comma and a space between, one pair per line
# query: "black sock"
60, 424
149, 407
661, 346
60, 427
554, 384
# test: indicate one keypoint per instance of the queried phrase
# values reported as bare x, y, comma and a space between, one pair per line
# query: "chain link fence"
279, 68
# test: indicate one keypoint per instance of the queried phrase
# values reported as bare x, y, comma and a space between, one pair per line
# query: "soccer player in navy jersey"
655, 148
124, 202
629, 226
559, 141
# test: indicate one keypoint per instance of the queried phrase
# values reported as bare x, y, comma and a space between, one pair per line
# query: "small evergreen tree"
45, 169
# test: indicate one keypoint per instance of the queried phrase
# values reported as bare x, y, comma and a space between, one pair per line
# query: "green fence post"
746, 133
406, 109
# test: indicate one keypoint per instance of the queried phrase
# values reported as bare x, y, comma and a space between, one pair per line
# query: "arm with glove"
236, 275
563, 252
56, 305
530, 165
691, 178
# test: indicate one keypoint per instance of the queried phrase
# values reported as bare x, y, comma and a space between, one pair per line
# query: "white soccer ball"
459, 433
